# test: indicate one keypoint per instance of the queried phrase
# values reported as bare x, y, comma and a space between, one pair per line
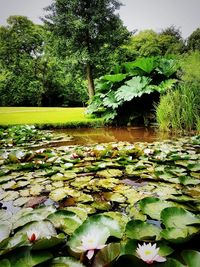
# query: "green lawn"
41, 115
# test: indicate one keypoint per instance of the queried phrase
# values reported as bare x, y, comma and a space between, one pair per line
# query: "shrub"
130, 90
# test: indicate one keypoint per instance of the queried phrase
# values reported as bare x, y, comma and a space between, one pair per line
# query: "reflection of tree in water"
105, 135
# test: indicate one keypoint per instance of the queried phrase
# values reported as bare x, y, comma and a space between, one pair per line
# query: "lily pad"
179, 235
107, 255
25, 258
65, 262
139, 230
109, 173
5, 230
191, 257
64, 220
178, 217
153, 206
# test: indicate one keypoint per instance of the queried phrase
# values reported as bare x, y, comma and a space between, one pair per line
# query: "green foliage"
190, 68
22, 134
179, 110
148, 43
167, 67
20, 49
135, 87
134, 80
193, 41
92, 179
90, 33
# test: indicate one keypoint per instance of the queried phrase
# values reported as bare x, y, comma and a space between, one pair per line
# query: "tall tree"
193, 42
90, 31
171, 41
21, 44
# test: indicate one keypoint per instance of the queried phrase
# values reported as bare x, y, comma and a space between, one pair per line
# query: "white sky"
136, 14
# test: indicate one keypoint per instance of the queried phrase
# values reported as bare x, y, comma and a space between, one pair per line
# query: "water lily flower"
74, 156
99, 147
149, 253
148, 151
92, 241
33, 235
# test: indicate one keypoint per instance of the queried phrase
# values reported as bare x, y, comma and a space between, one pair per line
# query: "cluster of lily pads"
112, 204
26, 136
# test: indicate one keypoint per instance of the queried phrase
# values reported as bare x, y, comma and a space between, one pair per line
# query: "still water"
86, 136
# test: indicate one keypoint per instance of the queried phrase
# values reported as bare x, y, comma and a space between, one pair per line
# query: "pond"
96, 205
86, 136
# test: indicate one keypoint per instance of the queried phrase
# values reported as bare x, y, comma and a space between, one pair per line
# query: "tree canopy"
90, 32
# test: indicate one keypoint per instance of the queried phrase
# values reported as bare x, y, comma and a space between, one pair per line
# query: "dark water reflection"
85, 136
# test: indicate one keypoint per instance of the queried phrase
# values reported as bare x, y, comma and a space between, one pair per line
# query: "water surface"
86, 136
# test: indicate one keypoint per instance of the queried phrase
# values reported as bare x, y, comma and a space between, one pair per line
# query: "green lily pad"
5, 230
195, 175
5, 263
26, 258
5, 215
153, 206
109, 173
28, 215
134, 213
58, 194
116, 197
191, 257
179, 235
194, 167
64, 220
178, 217
107, 255
80, 212
187, 180
170, 263
65, 262
49, 242
10, 196
140, 230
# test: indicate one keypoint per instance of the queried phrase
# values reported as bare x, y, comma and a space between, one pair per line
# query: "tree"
90, 32
149, 43
193, 42
171, 41
21, 44
142, 44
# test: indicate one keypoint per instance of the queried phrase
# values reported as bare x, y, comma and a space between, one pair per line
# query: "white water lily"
33, 235
148, 151
99, 147
94, 239
149, 253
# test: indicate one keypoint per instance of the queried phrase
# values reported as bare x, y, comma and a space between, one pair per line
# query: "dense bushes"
127, 95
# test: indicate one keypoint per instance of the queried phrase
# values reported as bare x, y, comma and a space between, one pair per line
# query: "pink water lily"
33, 235
149, 253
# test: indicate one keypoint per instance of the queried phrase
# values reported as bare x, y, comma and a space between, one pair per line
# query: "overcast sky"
136, 14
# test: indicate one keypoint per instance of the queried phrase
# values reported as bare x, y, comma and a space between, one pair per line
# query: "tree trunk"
90, 80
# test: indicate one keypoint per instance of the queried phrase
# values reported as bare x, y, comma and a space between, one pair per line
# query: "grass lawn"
42, 115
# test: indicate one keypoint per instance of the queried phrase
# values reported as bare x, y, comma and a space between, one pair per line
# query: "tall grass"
179, 110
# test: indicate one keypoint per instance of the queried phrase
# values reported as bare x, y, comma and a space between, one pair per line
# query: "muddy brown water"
87, 136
